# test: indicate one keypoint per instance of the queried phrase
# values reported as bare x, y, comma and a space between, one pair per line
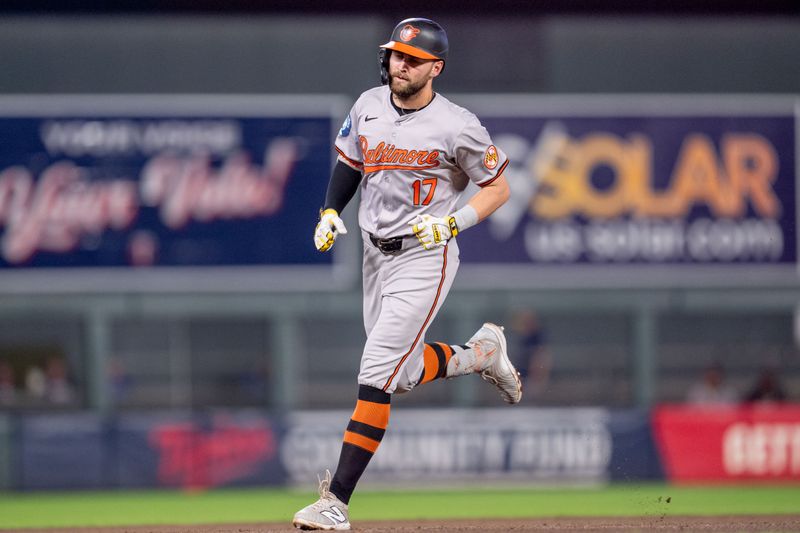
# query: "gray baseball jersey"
412, 164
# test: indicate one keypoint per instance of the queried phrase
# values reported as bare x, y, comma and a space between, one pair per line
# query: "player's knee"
403, 385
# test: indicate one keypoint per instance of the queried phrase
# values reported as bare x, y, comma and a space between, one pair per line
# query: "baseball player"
411, 152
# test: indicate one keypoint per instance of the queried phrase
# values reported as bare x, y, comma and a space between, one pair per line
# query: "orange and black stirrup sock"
361, 439
437, 358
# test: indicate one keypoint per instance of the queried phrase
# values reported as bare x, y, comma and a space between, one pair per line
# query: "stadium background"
138, 354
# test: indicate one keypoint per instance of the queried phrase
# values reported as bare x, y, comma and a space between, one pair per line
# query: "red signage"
195, 458
729, 443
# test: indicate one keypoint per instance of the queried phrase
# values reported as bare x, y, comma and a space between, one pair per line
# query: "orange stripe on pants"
427, 319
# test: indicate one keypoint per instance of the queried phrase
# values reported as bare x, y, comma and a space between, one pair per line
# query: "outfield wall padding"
5, 453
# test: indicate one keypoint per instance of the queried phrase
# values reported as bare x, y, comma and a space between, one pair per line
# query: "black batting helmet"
416, 37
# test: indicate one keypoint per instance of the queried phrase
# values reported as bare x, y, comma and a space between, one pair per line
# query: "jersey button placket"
387, 204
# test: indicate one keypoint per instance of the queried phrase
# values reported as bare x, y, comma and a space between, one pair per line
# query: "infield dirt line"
728, 524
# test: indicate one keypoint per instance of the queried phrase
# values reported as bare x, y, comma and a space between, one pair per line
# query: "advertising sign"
192, 451
640, 190
63, 451
528, 445
200, 451
758, 443
163, 192
226, 448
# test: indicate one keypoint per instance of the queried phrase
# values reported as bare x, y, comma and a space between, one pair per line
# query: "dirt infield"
761, 524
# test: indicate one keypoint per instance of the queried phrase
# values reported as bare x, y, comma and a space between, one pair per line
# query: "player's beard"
408, 90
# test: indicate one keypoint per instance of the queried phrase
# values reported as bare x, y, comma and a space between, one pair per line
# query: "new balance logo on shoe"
335, 515
327, 513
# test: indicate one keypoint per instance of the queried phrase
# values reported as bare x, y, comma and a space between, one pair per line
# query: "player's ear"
437, 68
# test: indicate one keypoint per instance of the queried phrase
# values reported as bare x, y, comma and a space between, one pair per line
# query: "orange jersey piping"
351, 162
377, 168
499, 173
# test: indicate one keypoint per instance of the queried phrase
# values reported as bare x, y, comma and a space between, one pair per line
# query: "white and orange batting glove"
328, 227
433, 232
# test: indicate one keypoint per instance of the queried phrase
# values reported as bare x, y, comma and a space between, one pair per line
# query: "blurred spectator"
712, 389
35, 383
8, 390
532, 358
58, 388
767, 388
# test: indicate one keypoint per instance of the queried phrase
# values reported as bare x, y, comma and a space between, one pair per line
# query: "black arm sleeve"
343, 185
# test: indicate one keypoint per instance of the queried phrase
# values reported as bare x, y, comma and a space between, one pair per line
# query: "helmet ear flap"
383, 60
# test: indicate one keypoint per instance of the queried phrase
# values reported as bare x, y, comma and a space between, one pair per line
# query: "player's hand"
328, 227
433, 232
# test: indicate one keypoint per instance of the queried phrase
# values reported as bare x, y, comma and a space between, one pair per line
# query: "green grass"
270, 505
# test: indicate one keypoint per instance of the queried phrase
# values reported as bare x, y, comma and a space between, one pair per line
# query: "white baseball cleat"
328, 513
500, 372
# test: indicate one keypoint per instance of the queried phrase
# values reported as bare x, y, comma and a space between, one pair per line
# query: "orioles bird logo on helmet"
408, 32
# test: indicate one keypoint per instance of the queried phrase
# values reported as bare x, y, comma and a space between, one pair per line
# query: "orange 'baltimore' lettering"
388, 156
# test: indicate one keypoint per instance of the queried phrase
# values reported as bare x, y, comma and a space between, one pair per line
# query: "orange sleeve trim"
374, 414
499, 173
352, 162
362, 442
424, 324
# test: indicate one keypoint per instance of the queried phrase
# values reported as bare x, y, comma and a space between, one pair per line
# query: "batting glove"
433, 232
328, 227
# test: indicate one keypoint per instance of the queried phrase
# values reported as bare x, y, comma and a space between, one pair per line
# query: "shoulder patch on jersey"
490, 159
345, 129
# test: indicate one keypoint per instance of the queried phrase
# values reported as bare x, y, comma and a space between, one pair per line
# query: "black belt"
390, 245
